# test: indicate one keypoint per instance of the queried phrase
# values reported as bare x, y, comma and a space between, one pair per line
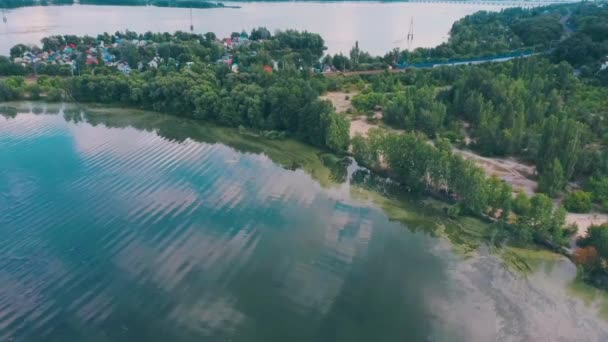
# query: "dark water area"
121, 225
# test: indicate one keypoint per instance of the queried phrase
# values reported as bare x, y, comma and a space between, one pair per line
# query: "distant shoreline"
203, 4
198, 4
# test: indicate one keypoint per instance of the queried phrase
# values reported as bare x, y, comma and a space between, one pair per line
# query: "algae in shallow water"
590, 295
466, 234
527, 260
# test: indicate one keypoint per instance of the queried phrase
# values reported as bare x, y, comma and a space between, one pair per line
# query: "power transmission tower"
410, 34
191, 26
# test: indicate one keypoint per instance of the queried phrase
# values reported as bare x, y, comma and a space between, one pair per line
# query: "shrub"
453, 211
55, 95
598, 188
578, 201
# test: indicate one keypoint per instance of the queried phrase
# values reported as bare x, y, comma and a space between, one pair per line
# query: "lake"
120, 225
379, 27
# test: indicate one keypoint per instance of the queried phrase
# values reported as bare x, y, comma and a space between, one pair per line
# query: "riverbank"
519, 175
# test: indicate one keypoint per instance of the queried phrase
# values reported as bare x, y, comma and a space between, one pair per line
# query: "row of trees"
285, 101
422, 166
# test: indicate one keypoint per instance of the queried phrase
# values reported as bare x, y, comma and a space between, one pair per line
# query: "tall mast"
410, 34
191, 26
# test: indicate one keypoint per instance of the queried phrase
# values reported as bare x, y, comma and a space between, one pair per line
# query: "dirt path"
359, 125
510, 170
340, 99
584, 221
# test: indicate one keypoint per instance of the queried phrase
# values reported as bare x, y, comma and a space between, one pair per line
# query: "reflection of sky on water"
187, 224
378, 27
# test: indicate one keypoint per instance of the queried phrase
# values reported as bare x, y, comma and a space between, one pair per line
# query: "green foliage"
592, 256
538, 30
420, 166
521, 204
552, 180
598, 188
303, 46
337, 134
18, 50
499, 197
453, 211
7, 68
367, 101
260, 33
11, 88
561, 141
578, 201
34, 91
543, 222
56, 95
597, 236
589, 43
280, 101
416, 108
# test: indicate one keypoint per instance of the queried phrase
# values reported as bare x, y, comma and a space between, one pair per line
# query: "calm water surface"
379, 27
131, 226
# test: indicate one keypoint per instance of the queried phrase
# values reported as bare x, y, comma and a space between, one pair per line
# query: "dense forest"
549, 109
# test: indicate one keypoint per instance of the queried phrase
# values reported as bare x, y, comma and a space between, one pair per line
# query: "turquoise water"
119, 226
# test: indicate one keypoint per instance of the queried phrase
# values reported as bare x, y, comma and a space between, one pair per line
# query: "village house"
124, 68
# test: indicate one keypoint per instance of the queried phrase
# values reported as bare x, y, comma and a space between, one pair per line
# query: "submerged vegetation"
539, 109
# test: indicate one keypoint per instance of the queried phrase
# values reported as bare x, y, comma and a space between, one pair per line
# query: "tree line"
422, 166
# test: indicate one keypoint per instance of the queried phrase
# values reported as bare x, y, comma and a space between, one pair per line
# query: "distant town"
100, 53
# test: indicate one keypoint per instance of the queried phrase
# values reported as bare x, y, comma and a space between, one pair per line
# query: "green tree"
544, 222
578, 201
552, 180
260, 33
521, 203
598, 188
499, 197
337, 134
597, 236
